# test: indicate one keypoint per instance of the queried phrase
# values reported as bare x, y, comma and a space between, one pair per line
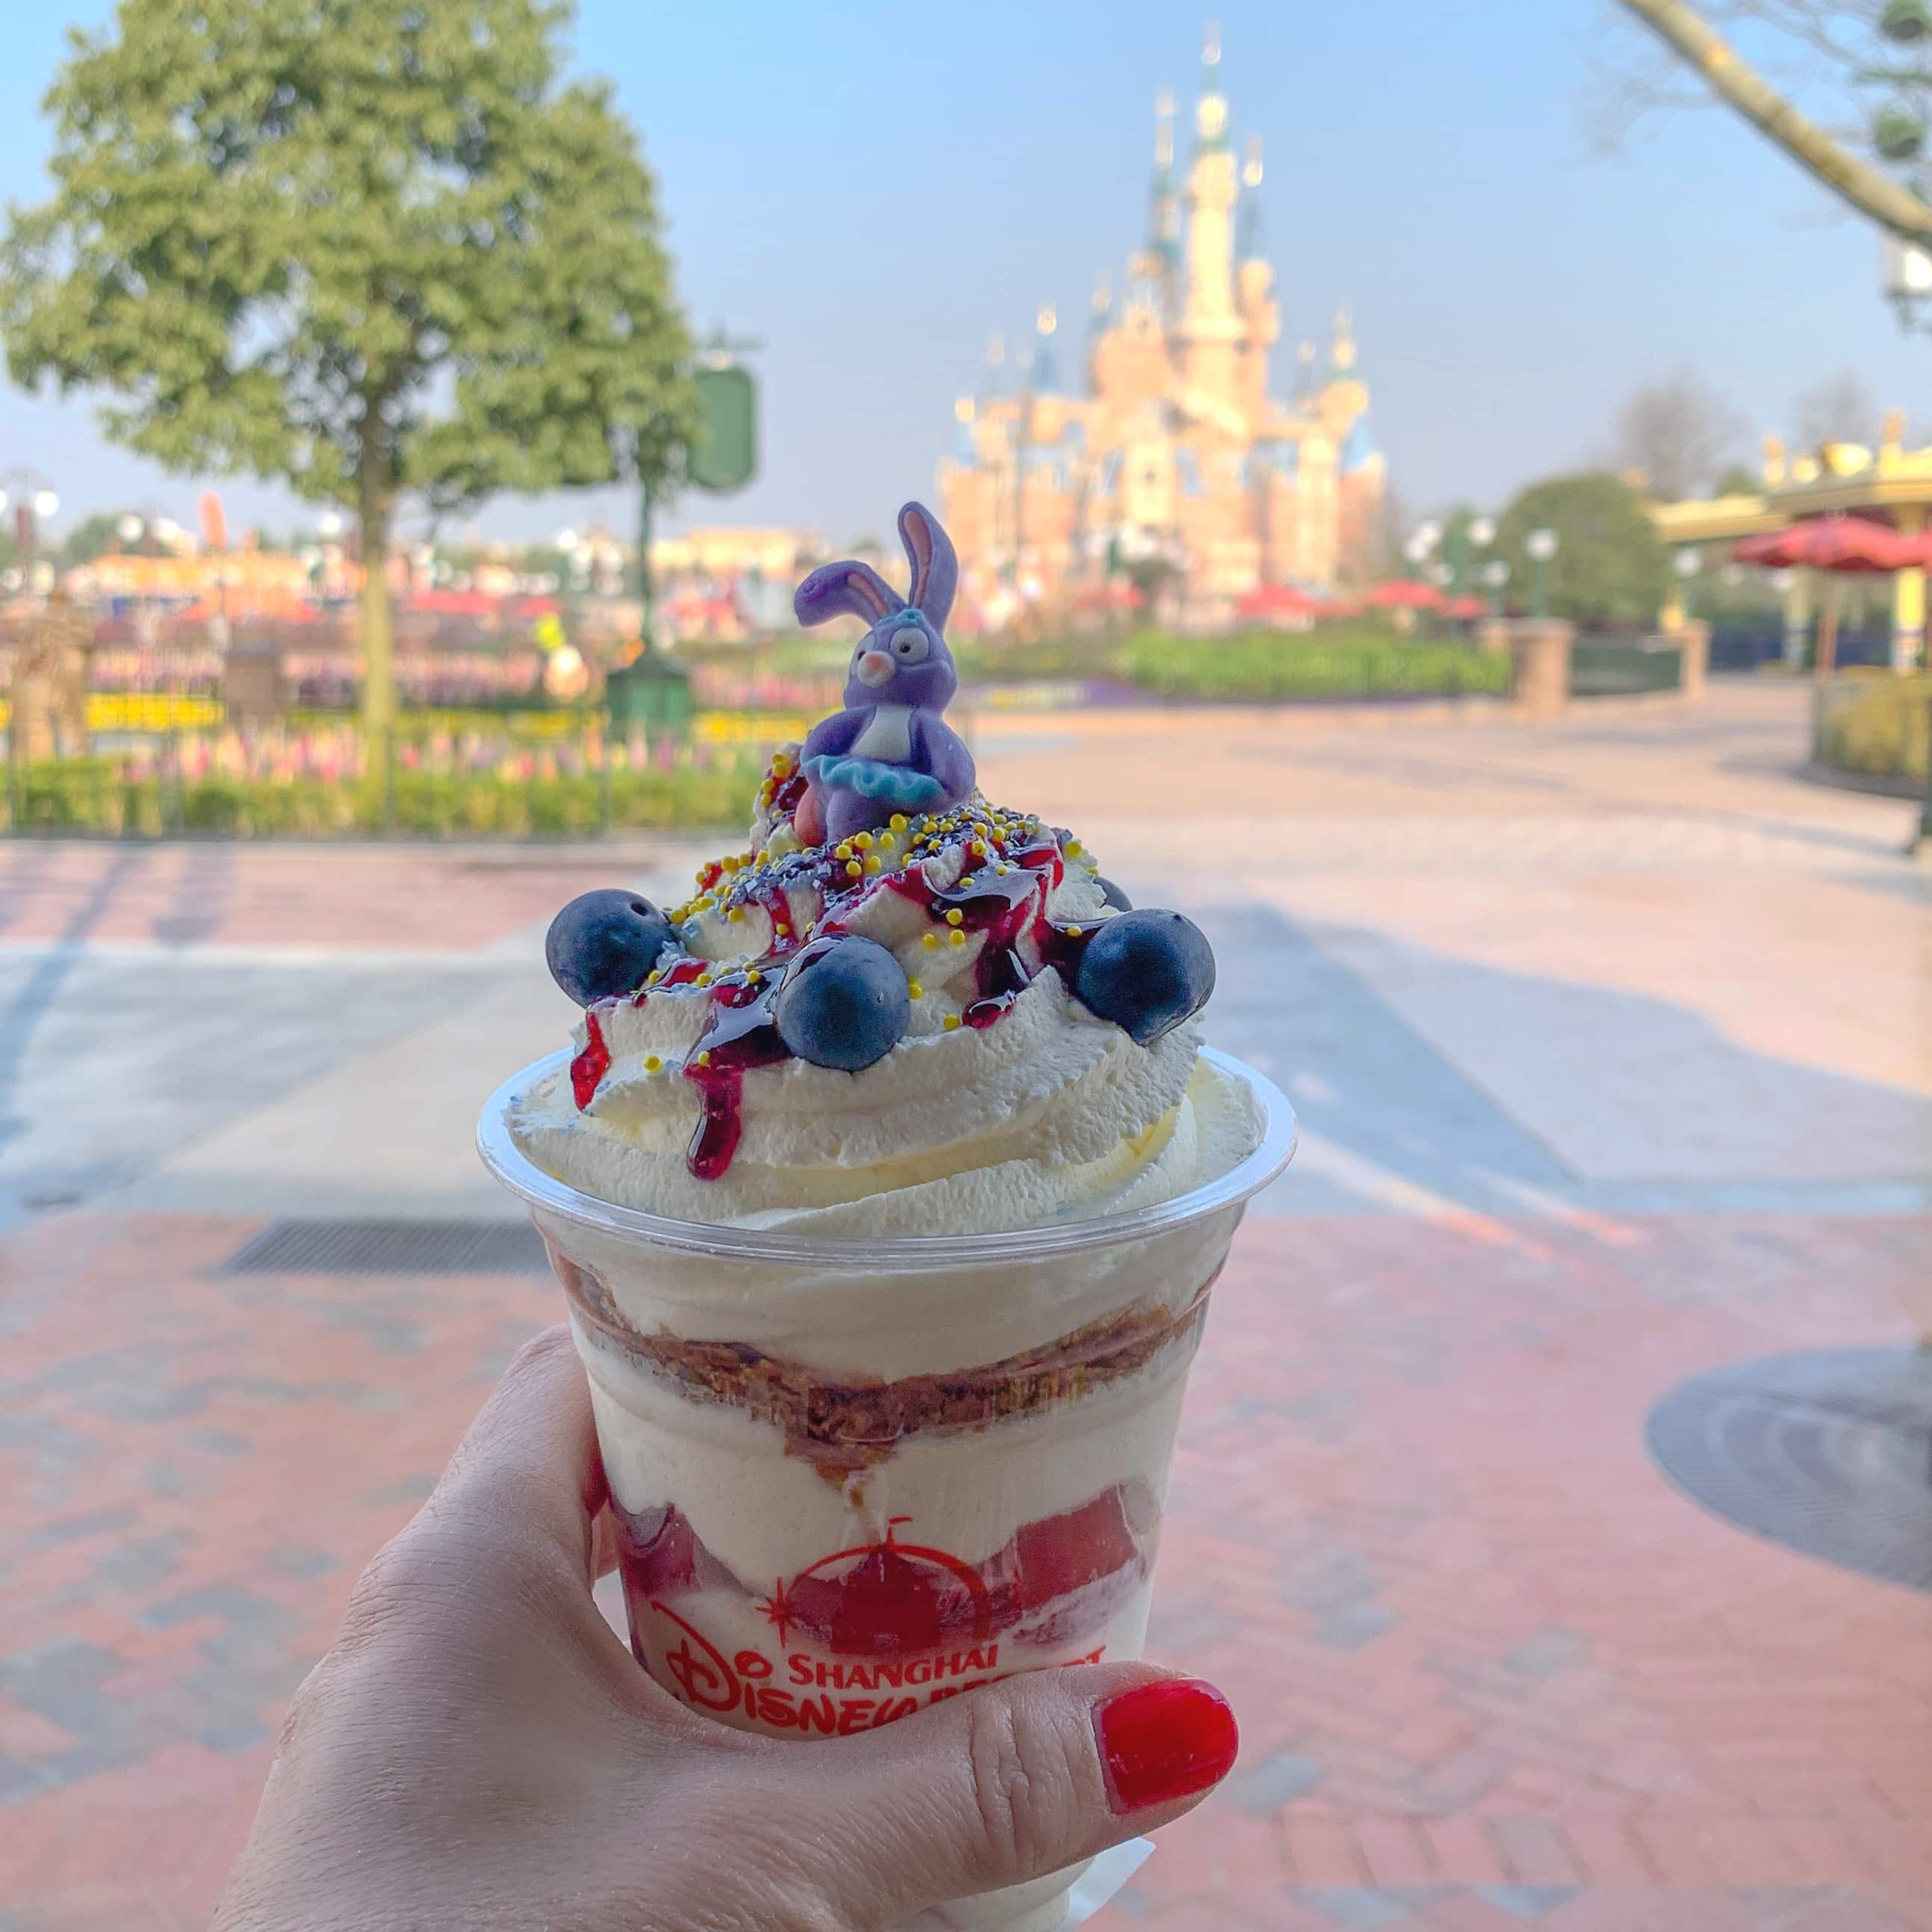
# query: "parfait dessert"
887, 1177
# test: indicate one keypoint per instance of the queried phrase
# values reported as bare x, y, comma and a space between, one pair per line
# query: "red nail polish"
1165, 1741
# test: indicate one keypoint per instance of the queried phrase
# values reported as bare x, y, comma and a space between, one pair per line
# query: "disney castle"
1170, 446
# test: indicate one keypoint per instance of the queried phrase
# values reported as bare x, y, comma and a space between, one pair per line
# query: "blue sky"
873, 189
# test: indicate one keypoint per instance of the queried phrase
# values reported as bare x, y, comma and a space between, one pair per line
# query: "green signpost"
724, 454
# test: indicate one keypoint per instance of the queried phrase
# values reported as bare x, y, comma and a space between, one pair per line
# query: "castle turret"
1157, 267
1046, 364
1210, 328
1260, 317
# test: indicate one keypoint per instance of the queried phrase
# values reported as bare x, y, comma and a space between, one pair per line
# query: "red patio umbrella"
1834, 542
1277, 600
1403, 593
1845, 545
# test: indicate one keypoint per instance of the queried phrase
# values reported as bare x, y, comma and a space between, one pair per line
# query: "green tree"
366, 247
93, 536
1609, 567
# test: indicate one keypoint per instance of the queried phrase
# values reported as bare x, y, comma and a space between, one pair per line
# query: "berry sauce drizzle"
1001, 897
739, 1033
592, 1064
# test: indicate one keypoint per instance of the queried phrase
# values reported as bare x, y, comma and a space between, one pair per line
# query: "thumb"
1008, 1783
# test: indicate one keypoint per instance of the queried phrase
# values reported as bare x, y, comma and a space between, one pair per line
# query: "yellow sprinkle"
843, 851
862, 842
736, 915
951, 1023
873, 864
1073, 932
931, 939
978, 848
853, 869
780, 764
652, 1063
955, 938
898, 821
703, 978
1073, 848
704, 1058
914, 988
753, 977
954, 916
968, 883
731, 862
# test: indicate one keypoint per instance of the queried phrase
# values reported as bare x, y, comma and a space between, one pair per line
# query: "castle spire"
1342, 356
1248, 214
1100, 312
1214, 187
1045, 375
1210, 111
1163, 241
996, 362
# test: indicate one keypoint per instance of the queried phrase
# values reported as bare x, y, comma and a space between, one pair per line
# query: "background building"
1171, 447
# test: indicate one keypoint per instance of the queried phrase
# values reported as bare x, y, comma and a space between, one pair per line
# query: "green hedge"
1271, 667
1877, 726
91, 795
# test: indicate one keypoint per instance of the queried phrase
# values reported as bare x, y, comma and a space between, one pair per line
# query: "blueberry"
1115, 898
604, 943
843, 1003
1147, 972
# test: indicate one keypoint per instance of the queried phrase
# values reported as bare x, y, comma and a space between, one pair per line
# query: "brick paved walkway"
1613, 1048
1492, 1670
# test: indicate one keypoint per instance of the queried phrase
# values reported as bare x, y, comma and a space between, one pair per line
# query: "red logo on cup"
888, 1599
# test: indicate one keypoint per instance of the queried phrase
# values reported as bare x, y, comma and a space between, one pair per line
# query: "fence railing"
1626, 668
1746, 647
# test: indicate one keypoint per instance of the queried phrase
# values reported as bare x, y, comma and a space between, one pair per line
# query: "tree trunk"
1864, 188
1828, 636
375, 505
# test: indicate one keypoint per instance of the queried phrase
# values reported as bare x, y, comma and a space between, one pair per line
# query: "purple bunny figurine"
890, 749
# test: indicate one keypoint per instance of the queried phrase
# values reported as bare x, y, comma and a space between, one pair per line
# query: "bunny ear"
935, 565
850, 589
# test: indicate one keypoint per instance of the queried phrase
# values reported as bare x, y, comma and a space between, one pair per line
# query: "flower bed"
313, 787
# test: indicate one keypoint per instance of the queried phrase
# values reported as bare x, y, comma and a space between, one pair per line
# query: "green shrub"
1277, 667
1876, 726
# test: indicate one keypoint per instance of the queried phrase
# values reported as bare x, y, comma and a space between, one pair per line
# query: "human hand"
480, 1750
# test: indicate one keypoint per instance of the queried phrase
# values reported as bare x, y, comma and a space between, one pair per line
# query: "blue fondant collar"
893, 784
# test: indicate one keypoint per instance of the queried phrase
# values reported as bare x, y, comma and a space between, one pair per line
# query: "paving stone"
1266, 1787
1568, 1140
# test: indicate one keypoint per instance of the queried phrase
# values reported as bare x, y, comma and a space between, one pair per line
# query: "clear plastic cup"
853, 1478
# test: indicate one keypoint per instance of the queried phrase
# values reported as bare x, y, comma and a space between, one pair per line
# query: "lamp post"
34, 504
1686, 562
1541, 545
1478, 533
1495, 574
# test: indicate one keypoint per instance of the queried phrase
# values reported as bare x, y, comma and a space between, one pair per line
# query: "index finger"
528, 1465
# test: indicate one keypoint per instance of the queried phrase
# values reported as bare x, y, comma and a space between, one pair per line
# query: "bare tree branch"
1855, 182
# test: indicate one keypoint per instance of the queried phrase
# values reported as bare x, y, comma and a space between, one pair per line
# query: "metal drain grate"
1828, 1452
392, 1247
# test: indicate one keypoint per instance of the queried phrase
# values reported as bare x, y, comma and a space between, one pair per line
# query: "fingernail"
1165, 1741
